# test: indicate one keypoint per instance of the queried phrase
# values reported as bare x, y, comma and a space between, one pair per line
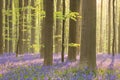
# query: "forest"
59, 39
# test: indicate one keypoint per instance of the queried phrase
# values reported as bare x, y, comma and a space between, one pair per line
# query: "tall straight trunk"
58, 28
88, 35
10, 27
6, 28
114, 25
20, 43
1, 27
101, 27
119, 34
72, 51
48, 43
109, 27
42, 33
79, 21
63, 33
42, 39
26, 26
33, 28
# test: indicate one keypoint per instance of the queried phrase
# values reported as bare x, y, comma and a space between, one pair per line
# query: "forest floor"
30, 67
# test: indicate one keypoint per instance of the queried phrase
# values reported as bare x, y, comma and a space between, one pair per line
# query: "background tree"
1, 27
109, 26
114, 27
6, 49
20, 43
63, 33
10, 26
88, 35
119, 34
58, 30
33, 28
42, 33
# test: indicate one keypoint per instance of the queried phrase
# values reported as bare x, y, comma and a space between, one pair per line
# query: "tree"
79, 20
119, 34
63, 33
48, 27
58, 28
101, 28
33, 28
109, 27
42, 34
72, 51
10, 27
20, 48
88, 35
114, 27
1, 27
6, 27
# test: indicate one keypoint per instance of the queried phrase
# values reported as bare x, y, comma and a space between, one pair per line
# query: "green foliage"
72, 15
35, 46
74, 45
59, 15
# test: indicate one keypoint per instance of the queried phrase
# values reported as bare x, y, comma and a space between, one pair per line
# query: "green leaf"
74, 45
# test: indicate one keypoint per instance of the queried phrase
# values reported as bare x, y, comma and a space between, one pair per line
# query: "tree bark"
72, 51
58, 28
20, 43
88, 35
1, 27
48, 43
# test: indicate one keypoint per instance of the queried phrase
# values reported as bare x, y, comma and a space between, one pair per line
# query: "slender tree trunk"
42, 34
58, 28
1, 27
119, 33
20, 47
48, 43
88, 35
33, 29
114, 35
6, 28
101, 18
63, 33
79, 21
10, 27
72, 51
26, 26
109, 27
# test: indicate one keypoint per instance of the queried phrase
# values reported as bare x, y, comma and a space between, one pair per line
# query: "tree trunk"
63, 33
1, 27
48, 43
42, 34
79, 21
6, 28
20, 47
72, 51
33, 28
114, 25
101, 28
119, 34
10, 27
109, 27
58, 28
88, 35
